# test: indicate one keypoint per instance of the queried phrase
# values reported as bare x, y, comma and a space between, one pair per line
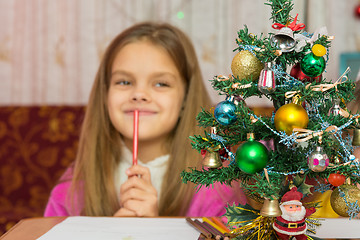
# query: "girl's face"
144, 77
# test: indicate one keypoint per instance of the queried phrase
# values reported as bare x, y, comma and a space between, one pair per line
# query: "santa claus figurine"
292, 221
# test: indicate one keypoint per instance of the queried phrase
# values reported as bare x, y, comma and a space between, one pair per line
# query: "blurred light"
180, 15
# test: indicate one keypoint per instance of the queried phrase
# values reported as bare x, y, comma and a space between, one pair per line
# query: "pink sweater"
208, 201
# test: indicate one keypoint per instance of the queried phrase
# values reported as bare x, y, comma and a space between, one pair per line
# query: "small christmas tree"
307, 135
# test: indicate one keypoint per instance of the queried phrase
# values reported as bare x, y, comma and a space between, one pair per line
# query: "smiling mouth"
141, 112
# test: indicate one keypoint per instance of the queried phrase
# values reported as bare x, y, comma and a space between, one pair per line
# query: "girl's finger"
137, 194
142, 208
138, 170
124, 212
136, 182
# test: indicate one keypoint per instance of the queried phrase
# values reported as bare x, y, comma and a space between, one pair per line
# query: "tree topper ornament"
292, 221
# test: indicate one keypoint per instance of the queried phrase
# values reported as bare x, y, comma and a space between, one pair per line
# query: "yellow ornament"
290, 116
245, 65
318, 50
338, 204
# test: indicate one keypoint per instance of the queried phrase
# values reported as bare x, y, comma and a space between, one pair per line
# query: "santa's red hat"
292, 197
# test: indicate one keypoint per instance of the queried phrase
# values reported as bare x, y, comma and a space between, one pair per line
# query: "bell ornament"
270, 208
284, 40
211, 160
356, 137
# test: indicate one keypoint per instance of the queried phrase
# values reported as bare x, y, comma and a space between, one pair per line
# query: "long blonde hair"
99, 152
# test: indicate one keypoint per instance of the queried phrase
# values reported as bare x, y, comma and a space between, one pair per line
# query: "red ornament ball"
336, 179
357, 11
296, 72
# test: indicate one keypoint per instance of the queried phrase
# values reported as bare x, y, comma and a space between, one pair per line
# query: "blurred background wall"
50, 49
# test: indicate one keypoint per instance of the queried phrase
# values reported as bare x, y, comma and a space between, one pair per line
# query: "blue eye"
162, 84
122, 82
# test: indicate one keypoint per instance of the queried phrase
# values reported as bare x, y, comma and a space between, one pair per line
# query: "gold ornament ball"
338, 204
245, 64
290, 116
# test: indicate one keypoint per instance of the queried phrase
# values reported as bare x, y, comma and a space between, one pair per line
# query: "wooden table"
31, 228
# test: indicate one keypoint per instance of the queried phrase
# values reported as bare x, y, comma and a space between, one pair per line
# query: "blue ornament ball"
224, 112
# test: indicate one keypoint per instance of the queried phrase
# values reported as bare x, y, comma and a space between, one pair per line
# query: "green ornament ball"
312, 65
251, 156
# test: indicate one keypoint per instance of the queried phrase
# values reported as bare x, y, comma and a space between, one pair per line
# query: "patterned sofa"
36, 145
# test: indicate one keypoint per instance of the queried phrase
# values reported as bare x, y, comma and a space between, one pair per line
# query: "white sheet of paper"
111, 228
339, 228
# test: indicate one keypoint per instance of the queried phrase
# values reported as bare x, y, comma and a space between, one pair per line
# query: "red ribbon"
293, 26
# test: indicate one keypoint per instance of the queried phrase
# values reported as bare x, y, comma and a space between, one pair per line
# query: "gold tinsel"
262, 227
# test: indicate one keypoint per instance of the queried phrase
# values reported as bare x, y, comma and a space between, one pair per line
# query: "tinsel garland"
250, 225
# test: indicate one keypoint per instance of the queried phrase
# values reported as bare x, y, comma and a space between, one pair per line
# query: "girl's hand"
138, 197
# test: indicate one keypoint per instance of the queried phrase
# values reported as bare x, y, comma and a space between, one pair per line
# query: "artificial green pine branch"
259, 186
208, 177
323, 40
226, 87
280, 10
240, 213
205, 119
246, 38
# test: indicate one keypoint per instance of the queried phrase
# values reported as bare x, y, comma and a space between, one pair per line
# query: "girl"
152, 68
